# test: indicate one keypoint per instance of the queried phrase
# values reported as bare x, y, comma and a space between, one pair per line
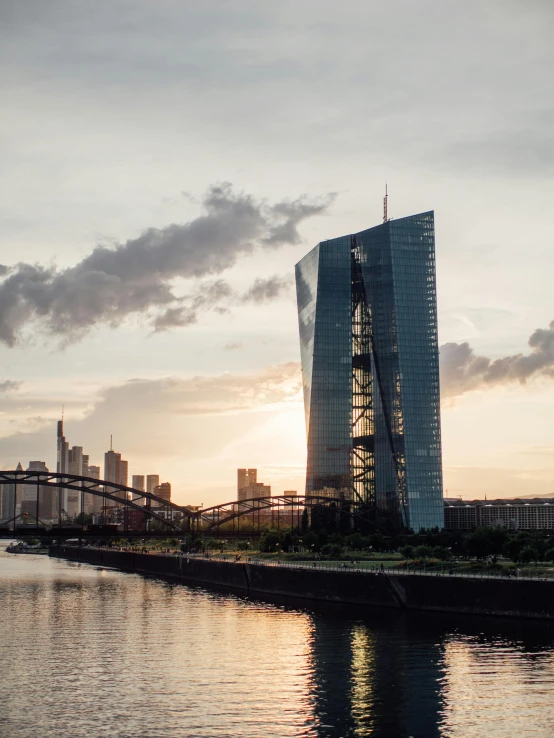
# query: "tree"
408, 552
528, 554
356, 542
516, 544
549, 554
305, 523
334, 550
440, 552
478, 543
324, 517
423, 552
311, 541
243, 545
377, 542
271, 541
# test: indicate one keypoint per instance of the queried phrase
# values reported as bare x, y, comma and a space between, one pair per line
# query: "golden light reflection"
363, 679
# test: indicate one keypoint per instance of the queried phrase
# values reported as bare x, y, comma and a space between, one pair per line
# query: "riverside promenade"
332, 582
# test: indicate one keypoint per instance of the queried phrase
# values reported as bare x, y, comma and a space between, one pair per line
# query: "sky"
165, 165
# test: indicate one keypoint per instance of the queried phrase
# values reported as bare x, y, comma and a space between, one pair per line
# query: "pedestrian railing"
372, 570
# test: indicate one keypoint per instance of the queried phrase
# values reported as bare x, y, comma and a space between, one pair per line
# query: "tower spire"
385, 203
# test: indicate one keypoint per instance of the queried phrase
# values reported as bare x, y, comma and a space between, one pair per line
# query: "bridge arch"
211, 519
117, 493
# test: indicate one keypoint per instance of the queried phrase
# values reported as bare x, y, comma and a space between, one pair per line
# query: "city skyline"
194, 364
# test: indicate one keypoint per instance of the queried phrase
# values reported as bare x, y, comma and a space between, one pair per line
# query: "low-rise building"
515, 514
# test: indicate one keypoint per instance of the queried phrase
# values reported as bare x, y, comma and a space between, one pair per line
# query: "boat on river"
24, 548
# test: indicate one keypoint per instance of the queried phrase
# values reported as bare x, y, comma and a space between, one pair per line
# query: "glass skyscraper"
367, 314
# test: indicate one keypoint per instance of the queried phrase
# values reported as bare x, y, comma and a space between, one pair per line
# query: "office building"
45, 505
245, 477
116, 470
8, 505
536, 513
75, 462
164, 491
369, 349
152, 481
93, 503
248, 487
62, 449
138, 483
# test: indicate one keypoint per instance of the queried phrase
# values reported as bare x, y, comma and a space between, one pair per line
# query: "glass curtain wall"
369, 349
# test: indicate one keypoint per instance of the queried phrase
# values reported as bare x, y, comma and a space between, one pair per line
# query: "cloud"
233, 346
462, 370
267, 289
8, 385
180, 417
137, 277
204, 395
208, 296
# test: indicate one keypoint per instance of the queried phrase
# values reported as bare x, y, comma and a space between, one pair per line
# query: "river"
96, 653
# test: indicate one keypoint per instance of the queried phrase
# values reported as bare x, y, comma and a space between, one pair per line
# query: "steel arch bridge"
118, 495
225, 519
275, 512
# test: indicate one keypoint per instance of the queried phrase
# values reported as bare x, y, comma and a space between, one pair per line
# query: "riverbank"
441, 593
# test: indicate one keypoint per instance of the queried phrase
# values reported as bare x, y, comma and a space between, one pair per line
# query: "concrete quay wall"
487, 596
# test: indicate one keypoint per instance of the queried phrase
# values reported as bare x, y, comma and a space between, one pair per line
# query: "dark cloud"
8, 385
462, 370
208, 297
137, 276
267, 289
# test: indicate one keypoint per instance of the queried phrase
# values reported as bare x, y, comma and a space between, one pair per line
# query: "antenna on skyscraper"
111, 443
385, 213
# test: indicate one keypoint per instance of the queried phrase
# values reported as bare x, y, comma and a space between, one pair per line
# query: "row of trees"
481, 543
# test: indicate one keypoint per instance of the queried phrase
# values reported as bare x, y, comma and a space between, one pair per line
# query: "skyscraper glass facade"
369, 349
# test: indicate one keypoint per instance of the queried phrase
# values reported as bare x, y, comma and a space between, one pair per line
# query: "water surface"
94, 653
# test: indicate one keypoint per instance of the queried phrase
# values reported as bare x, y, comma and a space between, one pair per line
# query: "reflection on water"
93, 653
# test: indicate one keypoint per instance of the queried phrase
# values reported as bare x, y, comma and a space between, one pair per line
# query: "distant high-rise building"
93, 503
115, 470
45, 505
72, 461
138, 483
8, 509
62, 449
75, 460
152, 481
248, 486
368, 341
62, 461
164, 491
245, 477
124, 473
